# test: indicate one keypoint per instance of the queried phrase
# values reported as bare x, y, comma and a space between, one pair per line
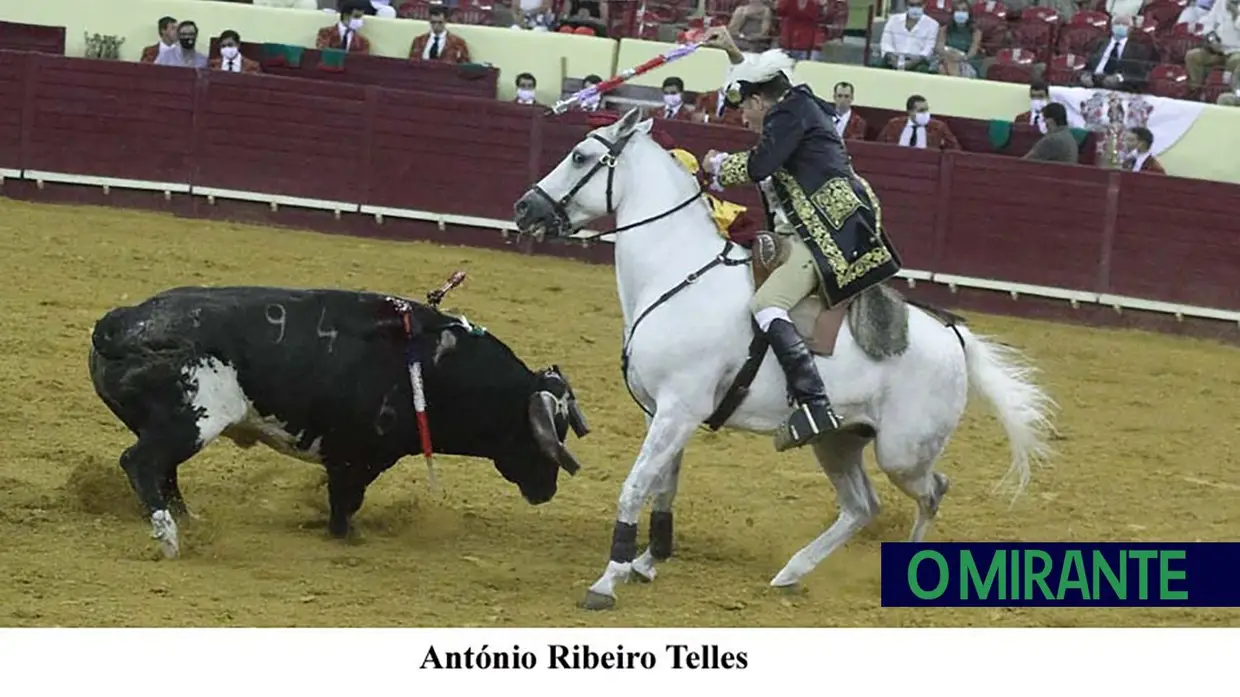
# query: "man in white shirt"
167, 40
1196, 12
1118, 64
848, 123
909, 38
1222, 49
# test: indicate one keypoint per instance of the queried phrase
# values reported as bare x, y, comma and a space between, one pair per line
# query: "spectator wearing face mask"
674, 108
909, 38
1058, 145
848, 123
231, 60
527, 90
184, 55
1196, 12
1221, 27
959, 42
346, 34
594, 103
439, 44
167, 40
1117, 63
917, 129
1137, 157
1039, 98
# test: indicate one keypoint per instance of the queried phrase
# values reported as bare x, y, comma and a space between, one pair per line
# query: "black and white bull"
320, 375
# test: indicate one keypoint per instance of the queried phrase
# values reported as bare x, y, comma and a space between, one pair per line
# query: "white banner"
1100, 110
628, 662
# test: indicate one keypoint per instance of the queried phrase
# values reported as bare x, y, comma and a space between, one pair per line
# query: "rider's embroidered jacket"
833, 210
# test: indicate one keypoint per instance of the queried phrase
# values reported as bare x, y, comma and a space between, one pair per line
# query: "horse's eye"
578, 158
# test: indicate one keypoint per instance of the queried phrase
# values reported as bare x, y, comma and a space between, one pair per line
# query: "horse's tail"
1004, 376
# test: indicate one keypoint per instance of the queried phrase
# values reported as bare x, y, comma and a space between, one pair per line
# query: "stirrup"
804, 426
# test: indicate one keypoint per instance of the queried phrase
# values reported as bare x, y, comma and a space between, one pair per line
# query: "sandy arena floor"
1149, 452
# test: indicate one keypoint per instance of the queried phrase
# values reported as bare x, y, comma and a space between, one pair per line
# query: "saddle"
877, 316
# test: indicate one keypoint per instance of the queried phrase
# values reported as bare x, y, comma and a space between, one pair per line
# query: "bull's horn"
542, 422
576, 419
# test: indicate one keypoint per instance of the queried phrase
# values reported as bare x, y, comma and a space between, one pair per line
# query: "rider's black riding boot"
814, 415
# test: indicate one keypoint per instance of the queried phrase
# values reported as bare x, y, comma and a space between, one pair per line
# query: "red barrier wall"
969, 214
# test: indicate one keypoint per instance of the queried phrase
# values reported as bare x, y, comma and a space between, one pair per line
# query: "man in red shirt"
798, 27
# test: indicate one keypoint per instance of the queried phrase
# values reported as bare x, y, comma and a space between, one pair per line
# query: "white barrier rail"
1075, 298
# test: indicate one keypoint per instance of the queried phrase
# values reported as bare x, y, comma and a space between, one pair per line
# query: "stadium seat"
1063, 68
1215, 85
1036, 32
1094, 18
990, 7
994, 31
1163, 13
1013, 65
940, 11
1080, 34
1170, 81
1180, 40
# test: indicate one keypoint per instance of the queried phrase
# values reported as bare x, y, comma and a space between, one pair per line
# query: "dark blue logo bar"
1069, 574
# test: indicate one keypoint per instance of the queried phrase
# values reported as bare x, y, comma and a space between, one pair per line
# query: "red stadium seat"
1093, 18
1036, 31
940, 11
1063, 68
1080, 37
1013, 65
994, 32
1215, 85
990, 7
1180, 40
1171, 81
1162, 13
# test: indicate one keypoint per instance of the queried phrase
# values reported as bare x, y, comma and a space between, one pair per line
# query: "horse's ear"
628, 122
644, 126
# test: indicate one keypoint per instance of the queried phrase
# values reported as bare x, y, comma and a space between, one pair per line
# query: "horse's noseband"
608, 160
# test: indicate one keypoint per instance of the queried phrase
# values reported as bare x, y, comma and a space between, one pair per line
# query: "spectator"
909, 38
751, 26
345, 34
1137, 157
798, 27
588, 12
712, 107
527, 89
1222, 32
439, 44
594, 103
184, 54
1039, 98
532, 14
848, 123
917, 129
674, 108
231, 60
167, 40
1196, 12
958, 43
1058, 145
1118, 64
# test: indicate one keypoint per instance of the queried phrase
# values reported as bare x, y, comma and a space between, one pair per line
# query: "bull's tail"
1004, 376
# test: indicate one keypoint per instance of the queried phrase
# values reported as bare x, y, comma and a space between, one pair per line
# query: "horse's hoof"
171, 549
598, 601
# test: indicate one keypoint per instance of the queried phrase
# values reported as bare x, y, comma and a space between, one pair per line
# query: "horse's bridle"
608, 160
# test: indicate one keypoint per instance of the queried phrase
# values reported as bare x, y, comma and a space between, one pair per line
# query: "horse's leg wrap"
661, 535
624, 543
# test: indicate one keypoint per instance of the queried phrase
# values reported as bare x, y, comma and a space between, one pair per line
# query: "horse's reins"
608, 160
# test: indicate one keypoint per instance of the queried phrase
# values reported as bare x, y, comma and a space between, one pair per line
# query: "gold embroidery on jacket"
827, 206
734, 170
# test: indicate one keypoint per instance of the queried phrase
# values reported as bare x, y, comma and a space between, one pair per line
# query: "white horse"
692, 331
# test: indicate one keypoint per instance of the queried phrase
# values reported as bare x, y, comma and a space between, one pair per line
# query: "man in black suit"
1118, 63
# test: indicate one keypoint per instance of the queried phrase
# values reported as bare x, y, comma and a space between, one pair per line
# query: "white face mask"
960, 17
355, 24
921, 118
915, 12
1119, 31
229, 52
1038, 104
672, 100
525, 95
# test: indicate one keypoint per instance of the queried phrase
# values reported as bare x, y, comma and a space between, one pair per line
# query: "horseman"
828, 234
